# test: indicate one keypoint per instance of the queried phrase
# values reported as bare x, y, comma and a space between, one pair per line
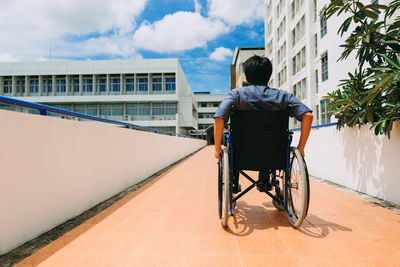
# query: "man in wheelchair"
259, 97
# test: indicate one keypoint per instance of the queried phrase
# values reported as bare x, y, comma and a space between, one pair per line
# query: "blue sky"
202, 34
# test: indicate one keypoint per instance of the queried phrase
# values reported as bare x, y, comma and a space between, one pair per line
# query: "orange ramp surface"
173, 221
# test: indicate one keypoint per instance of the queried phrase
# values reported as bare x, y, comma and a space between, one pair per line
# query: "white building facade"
207, 104
148, 92
238, 79
304, 48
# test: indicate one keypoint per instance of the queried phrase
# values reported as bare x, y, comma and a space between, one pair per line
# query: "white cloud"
235, 12
32, 27
178, 32
5, 57
221, 54
197, 6
115, 45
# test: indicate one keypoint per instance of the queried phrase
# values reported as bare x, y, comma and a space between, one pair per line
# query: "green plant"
372, 93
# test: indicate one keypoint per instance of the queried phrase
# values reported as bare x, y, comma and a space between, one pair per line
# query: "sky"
202, 34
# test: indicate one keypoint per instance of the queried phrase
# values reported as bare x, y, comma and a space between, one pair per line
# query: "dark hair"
258, 70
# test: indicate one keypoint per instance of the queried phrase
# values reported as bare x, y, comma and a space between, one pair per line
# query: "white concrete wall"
52, 169
357, 159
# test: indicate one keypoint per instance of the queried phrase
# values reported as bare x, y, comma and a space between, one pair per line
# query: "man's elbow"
308, 116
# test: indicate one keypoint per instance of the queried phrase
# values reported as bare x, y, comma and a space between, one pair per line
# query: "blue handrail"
317, 126
43, 110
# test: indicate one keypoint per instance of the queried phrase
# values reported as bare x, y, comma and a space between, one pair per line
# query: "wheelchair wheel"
298, 188
225, 184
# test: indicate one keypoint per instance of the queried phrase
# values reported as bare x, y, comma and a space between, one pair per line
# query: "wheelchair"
261, 141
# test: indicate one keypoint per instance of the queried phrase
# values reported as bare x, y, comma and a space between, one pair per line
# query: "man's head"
257, 70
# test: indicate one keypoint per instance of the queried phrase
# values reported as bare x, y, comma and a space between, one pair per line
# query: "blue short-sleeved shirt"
256, 97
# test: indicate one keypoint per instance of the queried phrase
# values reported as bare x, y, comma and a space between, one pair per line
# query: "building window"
157, 84
143, 84
60, 86
206, 115
47, 87
269, 51
170, 84
282, 76
315, 45
91, 109
144, 109
299, 61
316, 81
105, 110
324, 66
296, 5
7, 86
20, 87
79, 108
300, 89
102, 85
323, 23
170, 109
298, 31
281, 28
115, 85
315, 10
75, 85
304, 89
325, 117
158, 109
117, 110
132, 109
282, 53
87, 85
317, 115
130, 85
280, 7
34, 86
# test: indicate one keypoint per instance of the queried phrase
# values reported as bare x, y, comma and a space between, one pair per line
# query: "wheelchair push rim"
298, 188
225, 188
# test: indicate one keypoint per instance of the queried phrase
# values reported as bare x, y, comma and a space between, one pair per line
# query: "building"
207, 104
148, 92
304, 48
238, 79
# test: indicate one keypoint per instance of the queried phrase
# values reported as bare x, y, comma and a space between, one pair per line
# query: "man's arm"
306, 121
218, 131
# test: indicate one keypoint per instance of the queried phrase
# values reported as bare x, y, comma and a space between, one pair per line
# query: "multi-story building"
238, 79
147, 92
304, 48
207, 104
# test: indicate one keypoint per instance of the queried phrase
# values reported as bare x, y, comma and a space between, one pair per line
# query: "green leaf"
370, 115
370, 14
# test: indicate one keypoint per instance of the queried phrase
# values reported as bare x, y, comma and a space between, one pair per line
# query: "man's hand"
218, 130
301, 149
218, 151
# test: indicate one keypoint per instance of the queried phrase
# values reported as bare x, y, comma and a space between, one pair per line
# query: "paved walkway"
173, 221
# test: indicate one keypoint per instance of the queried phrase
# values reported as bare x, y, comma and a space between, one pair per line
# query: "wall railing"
44, 110
317, 126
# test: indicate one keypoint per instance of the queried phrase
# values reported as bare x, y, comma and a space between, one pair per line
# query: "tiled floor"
173, 221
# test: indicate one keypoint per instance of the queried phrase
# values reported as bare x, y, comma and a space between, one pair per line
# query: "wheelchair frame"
225, 184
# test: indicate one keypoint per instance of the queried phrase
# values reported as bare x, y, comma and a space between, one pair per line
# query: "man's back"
256, 97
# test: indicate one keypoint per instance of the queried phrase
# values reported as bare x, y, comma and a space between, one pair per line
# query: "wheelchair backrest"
259, 139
